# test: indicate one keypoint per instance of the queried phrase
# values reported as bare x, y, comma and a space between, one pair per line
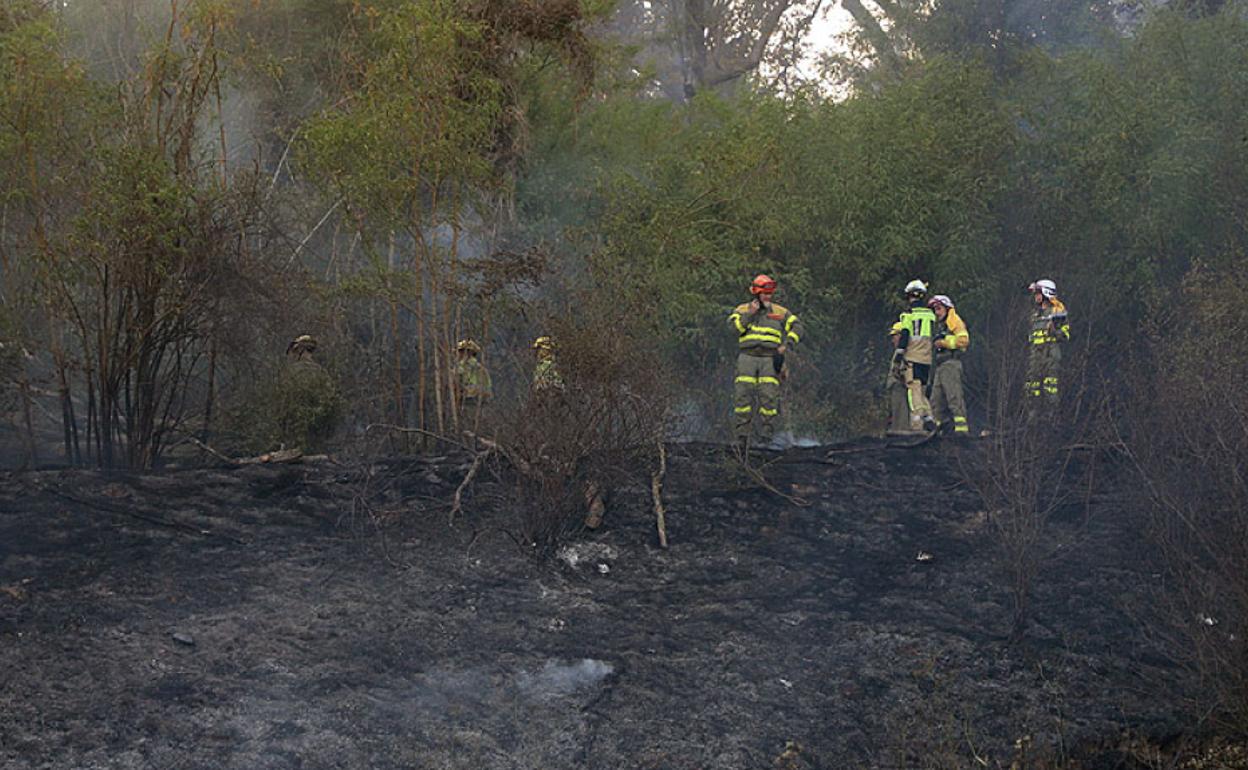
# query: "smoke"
787, 439
475, 690
558, 679
464, 713
113, 37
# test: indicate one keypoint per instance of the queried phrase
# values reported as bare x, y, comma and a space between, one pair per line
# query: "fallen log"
267, 458
280, 456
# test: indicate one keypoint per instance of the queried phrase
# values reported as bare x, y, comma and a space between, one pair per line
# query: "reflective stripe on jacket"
956, 338
916, 327
769, 328
1049, 323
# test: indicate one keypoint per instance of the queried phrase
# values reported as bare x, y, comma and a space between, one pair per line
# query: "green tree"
422, 151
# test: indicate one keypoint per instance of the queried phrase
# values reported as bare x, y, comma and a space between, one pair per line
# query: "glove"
777, 363
899, 355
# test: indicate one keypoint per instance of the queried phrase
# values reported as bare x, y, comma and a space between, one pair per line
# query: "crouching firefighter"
912, 357
952, 337
1049, 328
765, 332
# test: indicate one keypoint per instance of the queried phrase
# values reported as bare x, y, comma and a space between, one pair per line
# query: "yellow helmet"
470, 345
304, 343
543, 343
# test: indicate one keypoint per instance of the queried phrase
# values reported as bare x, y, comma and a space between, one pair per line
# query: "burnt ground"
253, 618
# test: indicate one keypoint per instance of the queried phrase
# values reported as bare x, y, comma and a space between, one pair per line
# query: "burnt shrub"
1186, 436
594, 430
1033, 464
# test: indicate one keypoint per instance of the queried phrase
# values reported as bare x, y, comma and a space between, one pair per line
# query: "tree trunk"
875, 34
32, 455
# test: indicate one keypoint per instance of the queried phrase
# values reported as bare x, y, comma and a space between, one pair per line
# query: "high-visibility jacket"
956, 337
546, 375
1049, 323
473, 379
915, 329
766, 329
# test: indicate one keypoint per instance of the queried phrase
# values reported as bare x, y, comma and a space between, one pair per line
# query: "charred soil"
259, 618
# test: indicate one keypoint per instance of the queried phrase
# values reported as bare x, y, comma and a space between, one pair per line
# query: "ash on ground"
776, 631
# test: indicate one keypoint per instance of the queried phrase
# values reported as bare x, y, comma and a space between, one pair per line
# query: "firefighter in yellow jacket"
473, 387
546, 377
765, 332
912, 356
952, 338
1049, 328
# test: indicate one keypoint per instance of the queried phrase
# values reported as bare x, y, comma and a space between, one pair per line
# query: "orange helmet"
763, 284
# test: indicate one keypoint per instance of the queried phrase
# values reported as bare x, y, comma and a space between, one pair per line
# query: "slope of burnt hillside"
254, 618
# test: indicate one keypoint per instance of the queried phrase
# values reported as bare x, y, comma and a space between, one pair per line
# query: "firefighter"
307, 403
1049, 328
545, 373
301, 348
548, 382
765, 332
912, 356
951, 339
473, 387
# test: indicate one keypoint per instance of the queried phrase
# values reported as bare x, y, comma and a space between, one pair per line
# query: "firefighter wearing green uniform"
1049, 328
547, 384
765, 332
473, 387
546, 374
307, 402
952, 337
912, 357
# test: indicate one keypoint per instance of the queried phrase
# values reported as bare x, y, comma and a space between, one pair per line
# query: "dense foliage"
1113, 170
406, 174
187, 186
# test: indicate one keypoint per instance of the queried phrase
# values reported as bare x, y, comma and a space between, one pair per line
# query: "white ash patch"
587, 553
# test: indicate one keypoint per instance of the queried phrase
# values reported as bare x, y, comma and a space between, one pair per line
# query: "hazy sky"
832, 21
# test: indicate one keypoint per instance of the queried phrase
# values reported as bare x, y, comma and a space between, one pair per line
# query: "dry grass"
1186, 438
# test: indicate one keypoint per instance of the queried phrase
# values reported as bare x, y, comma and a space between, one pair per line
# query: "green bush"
298, 406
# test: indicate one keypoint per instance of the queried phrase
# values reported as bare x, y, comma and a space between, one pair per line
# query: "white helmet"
1045, 287
942, 299
916, 287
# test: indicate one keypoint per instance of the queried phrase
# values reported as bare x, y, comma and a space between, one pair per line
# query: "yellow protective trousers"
756, 391
915, 377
